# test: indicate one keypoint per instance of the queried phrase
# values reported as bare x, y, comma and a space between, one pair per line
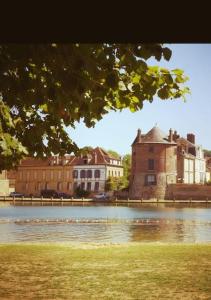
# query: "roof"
155, 136
182, 140
96, 156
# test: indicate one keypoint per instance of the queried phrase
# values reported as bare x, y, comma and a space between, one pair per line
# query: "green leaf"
167, 53
163, 93
178, 71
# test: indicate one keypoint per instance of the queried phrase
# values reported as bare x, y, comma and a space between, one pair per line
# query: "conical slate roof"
155, 135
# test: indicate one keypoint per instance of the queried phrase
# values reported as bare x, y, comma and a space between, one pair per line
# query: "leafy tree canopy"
207, 152
45, 88
114, 154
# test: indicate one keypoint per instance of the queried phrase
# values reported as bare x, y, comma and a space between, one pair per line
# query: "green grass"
131, 271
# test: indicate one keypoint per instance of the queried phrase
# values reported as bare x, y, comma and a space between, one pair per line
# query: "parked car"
49, 193
101, 196
15, 194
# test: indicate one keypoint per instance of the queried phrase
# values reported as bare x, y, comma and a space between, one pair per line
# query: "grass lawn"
131, 271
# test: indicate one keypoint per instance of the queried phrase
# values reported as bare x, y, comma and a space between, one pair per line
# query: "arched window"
83, 174
97, 173
75, 173
89, 173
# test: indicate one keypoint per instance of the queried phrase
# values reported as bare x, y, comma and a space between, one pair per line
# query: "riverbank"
91, 271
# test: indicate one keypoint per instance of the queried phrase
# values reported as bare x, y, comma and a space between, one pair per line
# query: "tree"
45, 88
126, 162
207, 153
114, 183
113, 153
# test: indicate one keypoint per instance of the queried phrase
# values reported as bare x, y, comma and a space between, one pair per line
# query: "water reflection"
164, 224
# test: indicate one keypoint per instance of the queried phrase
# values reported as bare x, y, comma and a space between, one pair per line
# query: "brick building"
65, 174
159, 159
154, 164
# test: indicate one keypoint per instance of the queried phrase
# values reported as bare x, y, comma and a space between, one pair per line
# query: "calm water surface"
165, 224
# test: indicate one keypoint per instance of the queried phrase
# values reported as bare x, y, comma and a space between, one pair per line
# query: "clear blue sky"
117, 130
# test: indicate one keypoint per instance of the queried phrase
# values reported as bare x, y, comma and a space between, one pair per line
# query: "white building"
91, 171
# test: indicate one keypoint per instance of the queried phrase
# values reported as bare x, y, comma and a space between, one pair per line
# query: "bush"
81, 193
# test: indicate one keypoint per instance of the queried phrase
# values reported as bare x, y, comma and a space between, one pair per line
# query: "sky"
117, 130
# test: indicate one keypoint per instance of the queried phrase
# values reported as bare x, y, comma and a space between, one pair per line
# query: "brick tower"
154, 164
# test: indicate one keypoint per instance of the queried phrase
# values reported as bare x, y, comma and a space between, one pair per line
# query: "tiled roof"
155, 135
95, 156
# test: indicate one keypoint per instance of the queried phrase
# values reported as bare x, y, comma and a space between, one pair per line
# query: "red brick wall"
187, 191
165, 165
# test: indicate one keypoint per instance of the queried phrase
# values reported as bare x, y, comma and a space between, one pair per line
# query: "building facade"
35, 175
159, 159
154, 164
4, 184
91, 171
66, 174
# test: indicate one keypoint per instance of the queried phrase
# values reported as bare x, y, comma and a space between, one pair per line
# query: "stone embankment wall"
188, 191
175, 191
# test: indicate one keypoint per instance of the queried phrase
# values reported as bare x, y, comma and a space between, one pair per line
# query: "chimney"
139, 135
175, 135
170, 138
95, 157
191, 138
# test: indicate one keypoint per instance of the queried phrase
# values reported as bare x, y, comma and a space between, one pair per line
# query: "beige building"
89, 172
190, 160
4, 184
35, 175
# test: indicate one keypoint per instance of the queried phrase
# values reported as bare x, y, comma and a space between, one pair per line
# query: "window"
67, 174
89, 185
43, 174
89, 174
83, 174
69, 186
59, 186
97, 173
151, 149
151, 164
75, 185
85, 161
119, 173
96, 186
60, 174
46, 185
83, 185
75, 174
150, 179
51, 175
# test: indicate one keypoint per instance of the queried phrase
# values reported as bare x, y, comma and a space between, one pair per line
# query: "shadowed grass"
131, 271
